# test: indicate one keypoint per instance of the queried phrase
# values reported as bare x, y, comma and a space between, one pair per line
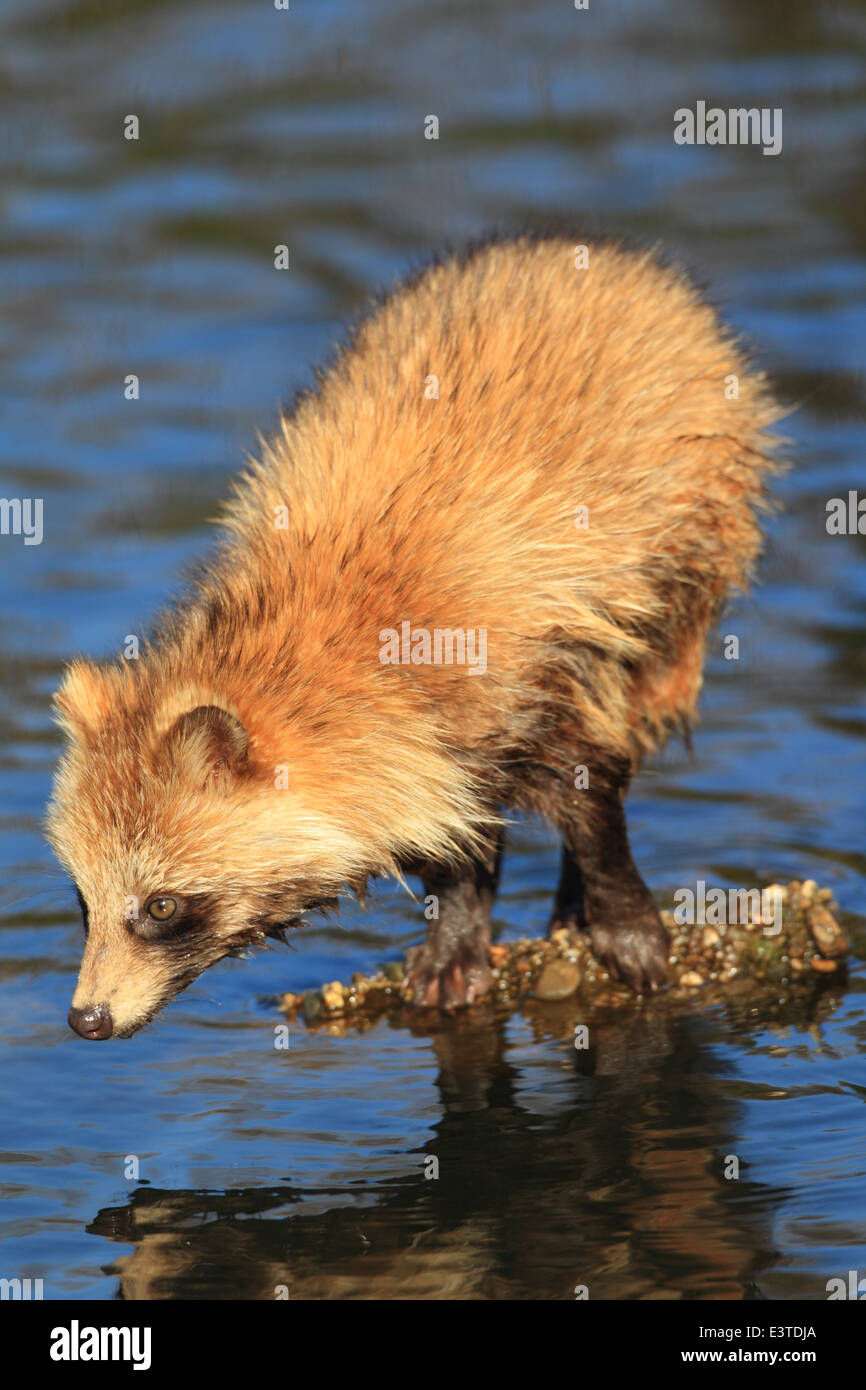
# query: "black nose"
95, 1022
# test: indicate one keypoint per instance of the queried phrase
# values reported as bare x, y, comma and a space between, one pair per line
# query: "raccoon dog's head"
185, 843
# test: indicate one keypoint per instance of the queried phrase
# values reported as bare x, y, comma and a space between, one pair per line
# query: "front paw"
448, 985
634, 949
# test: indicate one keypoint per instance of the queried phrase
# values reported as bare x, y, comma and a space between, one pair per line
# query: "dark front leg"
452, 967
627, 934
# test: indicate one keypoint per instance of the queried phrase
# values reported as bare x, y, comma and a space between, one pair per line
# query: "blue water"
257, 1167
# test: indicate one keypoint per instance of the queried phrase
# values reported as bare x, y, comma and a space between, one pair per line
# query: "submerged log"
789, 939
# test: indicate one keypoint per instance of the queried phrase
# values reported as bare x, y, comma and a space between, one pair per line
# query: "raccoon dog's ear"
209, 746
85, 698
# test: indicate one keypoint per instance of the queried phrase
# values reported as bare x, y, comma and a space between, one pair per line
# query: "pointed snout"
94, 1022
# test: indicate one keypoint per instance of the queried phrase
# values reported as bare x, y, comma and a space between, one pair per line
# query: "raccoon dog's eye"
161, 909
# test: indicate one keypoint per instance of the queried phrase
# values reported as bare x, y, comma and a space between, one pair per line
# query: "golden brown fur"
559, 388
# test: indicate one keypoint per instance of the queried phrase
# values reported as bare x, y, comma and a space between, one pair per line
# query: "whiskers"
44, 904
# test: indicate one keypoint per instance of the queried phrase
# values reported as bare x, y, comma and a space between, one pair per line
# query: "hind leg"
627, 934
568, 905
452, 967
